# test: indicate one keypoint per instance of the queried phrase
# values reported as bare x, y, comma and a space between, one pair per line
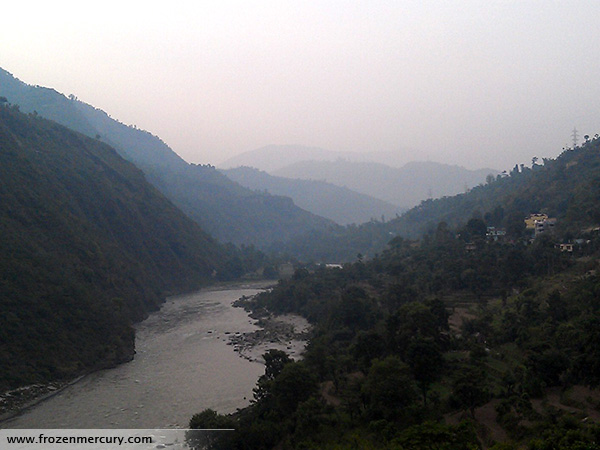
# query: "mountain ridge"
339, 204
228, 211
274, 157
405, 186
565, 187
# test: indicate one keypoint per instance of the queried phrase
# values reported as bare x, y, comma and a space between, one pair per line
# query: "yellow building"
533, 218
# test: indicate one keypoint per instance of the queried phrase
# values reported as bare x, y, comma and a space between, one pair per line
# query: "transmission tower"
575, 137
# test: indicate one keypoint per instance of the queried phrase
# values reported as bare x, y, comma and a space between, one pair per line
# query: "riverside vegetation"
454, 340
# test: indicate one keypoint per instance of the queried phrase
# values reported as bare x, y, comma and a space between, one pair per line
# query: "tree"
515, 225
469, 389
203, 438
293, 385
431, 435
426, 362
495, 217
355, 309
475, 228
210, 419
310, 418
443, 234
389, 388
275, 361
550, 365
368, 345
270, 272
411, 322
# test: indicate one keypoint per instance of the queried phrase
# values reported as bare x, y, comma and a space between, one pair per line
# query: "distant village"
535, 224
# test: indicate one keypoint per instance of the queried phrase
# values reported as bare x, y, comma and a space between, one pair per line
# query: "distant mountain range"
339, 204
228, 211
234, 213
405, 186
566, 188
87, 247
274, 157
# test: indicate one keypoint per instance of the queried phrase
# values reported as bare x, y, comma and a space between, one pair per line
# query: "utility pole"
575, 137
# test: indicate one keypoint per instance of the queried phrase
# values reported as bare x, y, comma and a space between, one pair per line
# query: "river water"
183, 365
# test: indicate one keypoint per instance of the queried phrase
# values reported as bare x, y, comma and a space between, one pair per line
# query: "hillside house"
495, 234
532, 219
566, 247
544, 226
539, 224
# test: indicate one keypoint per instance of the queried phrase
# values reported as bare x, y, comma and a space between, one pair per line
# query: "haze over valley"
306, 225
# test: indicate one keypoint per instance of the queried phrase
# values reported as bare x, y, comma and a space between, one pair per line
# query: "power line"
575, 137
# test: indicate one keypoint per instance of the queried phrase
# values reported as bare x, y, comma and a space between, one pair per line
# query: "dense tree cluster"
385, 368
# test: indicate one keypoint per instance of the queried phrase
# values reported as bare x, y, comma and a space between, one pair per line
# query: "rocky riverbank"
17, 400
288, 332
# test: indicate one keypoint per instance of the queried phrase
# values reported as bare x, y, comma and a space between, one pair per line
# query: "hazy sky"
477, 83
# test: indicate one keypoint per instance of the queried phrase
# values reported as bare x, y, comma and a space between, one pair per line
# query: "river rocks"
16, 399
287, 332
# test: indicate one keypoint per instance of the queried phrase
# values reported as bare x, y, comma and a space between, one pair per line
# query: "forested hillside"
460, 339
565, 188
228, 211
87, 247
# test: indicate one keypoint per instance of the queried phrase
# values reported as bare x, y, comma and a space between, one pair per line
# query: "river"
183, 365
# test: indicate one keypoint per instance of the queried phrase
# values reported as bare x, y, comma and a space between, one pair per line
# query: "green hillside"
457, 340
87, 246
228, 211
565, 188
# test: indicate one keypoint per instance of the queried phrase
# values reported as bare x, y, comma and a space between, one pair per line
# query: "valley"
440, 304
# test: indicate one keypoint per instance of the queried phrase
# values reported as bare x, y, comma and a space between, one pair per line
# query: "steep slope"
225, 209
405, 186
339, 204
87, 246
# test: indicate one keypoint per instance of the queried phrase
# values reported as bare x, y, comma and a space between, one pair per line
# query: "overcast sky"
477, 83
